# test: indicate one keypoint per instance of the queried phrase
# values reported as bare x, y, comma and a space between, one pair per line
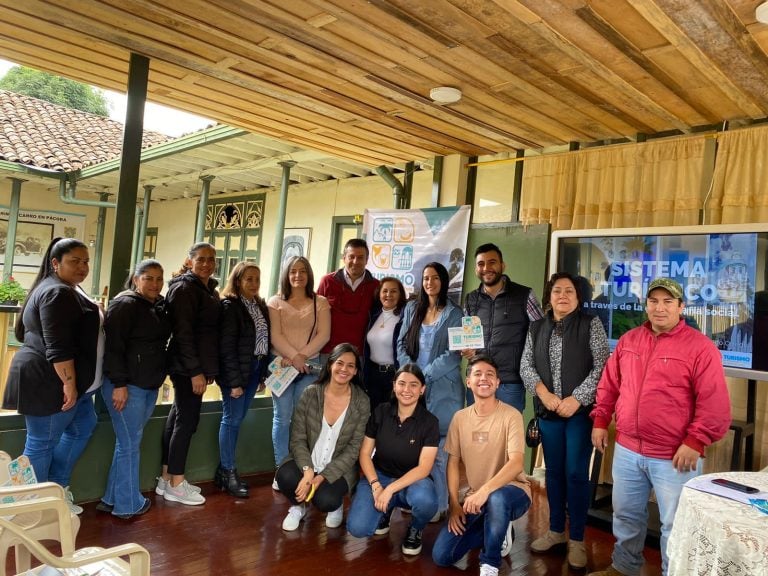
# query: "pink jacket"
666, 390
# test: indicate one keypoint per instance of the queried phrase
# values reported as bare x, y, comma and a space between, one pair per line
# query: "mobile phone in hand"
735, 486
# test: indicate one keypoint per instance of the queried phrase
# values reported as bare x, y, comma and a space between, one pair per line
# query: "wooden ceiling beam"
110, 34
295, 83
654, 13
330, 54
612, 36
630, 88
721, 36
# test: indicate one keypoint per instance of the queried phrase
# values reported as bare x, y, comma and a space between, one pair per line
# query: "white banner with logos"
402, 242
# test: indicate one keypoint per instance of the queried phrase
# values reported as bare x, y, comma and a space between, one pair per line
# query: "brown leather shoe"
548, 541
577, 554
610, 571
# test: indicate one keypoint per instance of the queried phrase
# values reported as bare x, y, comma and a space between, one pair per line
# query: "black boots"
229, 481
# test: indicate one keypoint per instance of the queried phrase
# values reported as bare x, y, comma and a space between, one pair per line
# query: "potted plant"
11, 292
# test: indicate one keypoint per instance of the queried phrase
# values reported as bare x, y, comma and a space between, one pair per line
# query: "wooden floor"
231, 536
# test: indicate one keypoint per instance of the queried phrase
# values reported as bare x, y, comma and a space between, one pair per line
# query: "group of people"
379, 405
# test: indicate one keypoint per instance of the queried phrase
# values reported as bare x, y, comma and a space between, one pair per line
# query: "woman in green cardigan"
327, 430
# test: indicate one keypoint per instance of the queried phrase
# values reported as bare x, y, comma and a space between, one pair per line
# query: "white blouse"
380, 338
322, 452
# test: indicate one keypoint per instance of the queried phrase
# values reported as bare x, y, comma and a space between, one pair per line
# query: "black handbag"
533, 433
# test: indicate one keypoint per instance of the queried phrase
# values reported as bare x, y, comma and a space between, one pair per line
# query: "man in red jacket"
350, 292
666, 386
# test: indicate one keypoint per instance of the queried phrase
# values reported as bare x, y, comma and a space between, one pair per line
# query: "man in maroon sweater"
350, 292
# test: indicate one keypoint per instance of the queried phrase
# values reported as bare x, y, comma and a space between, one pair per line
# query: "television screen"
722, 270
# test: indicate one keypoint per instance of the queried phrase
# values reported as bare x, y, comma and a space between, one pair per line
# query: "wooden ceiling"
352, 78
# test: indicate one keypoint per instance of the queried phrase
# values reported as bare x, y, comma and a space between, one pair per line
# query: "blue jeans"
567, 445
234, 411
420, 497
633, 477
123, 488
282, 411
485, 530
54, 443
439, 477
512, 393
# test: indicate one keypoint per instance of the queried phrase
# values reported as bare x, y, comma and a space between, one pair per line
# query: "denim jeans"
512, 393
485, 530
234, 411
567, 445
54, 443
420, 497
123, 488
282, 411
633, 477
439, 477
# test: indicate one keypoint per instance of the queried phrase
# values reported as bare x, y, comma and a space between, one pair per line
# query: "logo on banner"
402, 242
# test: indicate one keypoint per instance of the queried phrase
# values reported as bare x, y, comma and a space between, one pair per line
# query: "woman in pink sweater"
301, 325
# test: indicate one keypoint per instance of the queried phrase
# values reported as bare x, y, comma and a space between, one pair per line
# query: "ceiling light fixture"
761, 13
445, 95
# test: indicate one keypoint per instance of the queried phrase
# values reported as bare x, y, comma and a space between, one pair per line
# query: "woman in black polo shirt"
396, 457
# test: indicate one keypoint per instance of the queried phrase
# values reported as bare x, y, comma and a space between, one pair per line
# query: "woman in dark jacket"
52, 374
193, 355
380, 350
243, 346
137, 330
562, 361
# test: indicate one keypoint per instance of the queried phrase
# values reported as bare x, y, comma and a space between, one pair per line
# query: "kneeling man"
488, 438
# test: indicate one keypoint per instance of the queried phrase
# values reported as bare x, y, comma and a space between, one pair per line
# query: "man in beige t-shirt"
488, 439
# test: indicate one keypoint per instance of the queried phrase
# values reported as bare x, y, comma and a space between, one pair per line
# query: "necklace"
386, 317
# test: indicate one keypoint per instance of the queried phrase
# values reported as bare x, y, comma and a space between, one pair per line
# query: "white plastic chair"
52, 522
96, 559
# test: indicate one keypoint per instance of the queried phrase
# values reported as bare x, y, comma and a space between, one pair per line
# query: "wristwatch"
304, 468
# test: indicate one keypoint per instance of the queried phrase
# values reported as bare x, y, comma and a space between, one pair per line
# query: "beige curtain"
740, 182
648, 184
548, 190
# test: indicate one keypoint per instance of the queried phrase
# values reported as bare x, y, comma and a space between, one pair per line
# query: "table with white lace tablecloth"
715, 536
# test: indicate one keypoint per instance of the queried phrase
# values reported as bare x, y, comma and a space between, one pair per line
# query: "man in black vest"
505, 309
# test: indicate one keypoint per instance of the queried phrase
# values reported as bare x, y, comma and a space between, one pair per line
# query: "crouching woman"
396, 457
326, 433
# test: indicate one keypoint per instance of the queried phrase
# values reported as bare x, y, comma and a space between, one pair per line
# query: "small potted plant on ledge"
11, 292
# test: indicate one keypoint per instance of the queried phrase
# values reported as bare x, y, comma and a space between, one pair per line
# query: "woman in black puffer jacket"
137, 330
193, 363
243, 346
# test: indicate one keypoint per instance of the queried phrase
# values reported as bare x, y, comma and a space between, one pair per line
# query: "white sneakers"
162, 484
335, 518
509, 539
184, 493
488, 570
295, 515
275, 485
73, 508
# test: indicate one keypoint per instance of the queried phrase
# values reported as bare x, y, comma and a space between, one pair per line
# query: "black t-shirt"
399, 444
